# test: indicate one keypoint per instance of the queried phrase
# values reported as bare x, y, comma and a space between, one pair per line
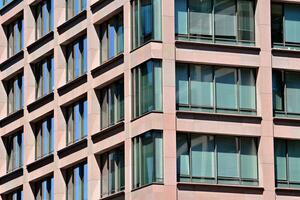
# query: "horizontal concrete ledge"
217, 47
40, 102
220, 188
72, 85
147, 113
40, 42
99, 5
12, 117
40, 162
72, 148
252, 119
286, 121
108, 132
288, 191
108, 65
116, 196
147, 185
72, 22
286, 53
12, 60
11, 175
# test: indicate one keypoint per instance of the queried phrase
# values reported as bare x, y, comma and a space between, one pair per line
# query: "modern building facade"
150, 99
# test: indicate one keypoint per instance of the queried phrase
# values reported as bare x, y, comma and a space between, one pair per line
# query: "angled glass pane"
85, 182
77, 122
226, 88
182, 84
227, 156
146, 89
277, 90
84, 56
225, 19
158, 93
146, 20
52, 73
202, 152
200, 17
248, 158
46, 17
277, 23
292, 81
112, 40
104, 43
52, 134
46, 137
294, 160
292, 23
157, 19
85, 118
245, 13
181, 13
46, 77
120, 33
158, 152
201, 85
247, 89
183, 156
280, 160
77, 59
147, 160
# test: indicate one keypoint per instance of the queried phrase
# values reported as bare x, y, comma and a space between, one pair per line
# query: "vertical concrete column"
127, 99
169, 98
264, 82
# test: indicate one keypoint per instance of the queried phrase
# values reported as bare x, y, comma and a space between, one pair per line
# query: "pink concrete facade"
167, 121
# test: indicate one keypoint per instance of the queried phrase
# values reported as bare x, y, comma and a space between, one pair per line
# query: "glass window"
112, 38
286, 91
76, 121
44, 137
44, 77
15, 93
217, 159
44, 18
74, 7
112, 104
215, 89
15, 37
146, 21
76, 58
112, 171
285, 26
77, 182
4, 3
44, 189
147, 159
223, 21
287, 160
14, 146
15, 195
147, 88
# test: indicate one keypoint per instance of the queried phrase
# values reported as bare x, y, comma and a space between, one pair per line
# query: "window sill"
40, 42
40, 162
108, 132
12, 117
217, 47
72, 22
147, 185
40, 102
219, 117
286, 53
11, 175
72, 84
147, 113
114, 195
98, 5
5, 9
286, 121
220, 188
146, 43
72, 148
288, 191
108, 65
12, 60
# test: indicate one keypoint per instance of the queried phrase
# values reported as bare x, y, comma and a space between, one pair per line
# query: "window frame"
10, 151
39, 185
39, 16
11, 93
72, 9
11, 38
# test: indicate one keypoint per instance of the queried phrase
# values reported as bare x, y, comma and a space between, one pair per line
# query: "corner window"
74, 7
15, 195
146, 21
76, 58
112, 104
217, 159
285, 26
44, 189
147, 88
286, 92
77, 182
44, 17
15, 37
215, 89
14, 146
112, 171
216, 21
44, 77
76, 121
15, 93
111, 38
147, 159
44, 137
